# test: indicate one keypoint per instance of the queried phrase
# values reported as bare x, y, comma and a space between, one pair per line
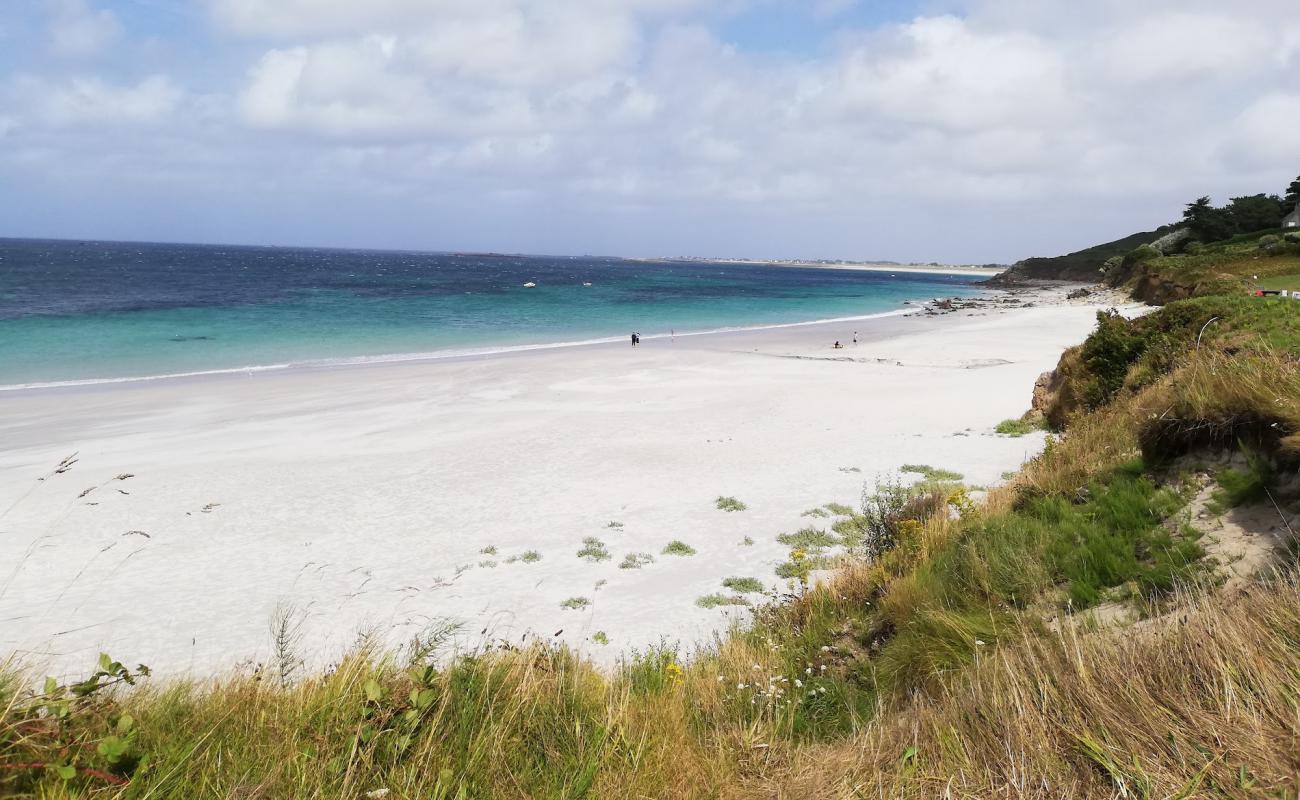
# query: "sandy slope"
362, 496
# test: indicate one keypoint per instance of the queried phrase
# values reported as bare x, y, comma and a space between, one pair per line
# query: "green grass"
816, 512
717, 600
729, 504
930, 473
575, 603
1015, 428
678, 548
636, 561
1115, 537
809, 539
594, 550
743, 585
600, 638
1237, 487
490, 550
530, 557
1289, 282
838, 509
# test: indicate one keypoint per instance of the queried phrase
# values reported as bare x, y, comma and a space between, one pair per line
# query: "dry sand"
363, 496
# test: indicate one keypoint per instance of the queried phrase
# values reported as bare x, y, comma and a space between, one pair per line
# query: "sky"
961, 131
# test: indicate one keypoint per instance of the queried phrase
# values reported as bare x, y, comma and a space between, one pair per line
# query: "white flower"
798, 684
808, 671
826, 649
979, 642
741, 686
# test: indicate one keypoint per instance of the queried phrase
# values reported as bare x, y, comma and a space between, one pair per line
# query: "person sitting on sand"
838, 346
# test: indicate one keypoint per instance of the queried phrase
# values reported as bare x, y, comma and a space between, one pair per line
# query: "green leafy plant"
678, 548
594, 549
636, 561
730, 504
743, 585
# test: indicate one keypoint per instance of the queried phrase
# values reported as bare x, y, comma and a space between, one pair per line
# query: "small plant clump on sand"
748, 541
809, 539
730, 504
614, 524
575, 603
743, 585
838, 509
1015, 428
594, 550
636, 560
930, 473
816, 512
530, 557
490, 550
678, 548
719, 600
600, 638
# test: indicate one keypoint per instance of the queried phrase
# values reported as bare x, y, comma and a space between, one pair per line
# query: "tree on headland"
1292, 198
1256, 212
1207, 223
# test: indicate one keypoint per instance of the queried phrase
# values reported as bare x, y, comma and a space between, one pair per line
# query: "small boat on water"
586, 284
529, 285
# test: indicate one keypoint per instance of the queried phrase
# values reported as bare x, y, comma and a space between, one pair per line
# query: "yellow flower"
674, 672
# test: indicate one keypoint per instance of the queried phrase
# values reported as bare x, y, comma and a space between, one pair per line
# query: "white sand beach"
364, 496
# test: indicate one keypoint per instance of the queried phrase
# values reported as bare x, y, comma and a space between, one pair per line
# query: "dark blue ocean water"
98, 310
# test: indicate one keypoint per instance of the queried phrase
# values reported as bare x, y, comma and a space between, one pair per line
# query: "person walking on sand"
636, 338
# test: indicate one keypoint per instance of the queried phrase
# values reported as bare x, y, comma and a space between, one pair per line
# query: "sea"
85, 312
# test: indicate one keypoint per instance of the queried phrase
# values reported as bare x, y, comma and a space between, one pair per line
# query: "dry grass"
1203, 705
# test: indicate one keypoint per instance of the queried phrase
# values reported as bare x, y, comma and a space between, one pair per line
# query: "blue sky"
953, 130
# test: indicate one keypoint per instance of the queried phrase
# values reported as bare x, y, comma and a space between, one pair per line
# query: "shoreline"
433, 355
388, 498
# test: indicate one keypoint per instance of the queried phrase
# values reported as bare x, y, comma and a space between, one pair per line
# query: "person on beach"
838, 346
636, 339
855, 337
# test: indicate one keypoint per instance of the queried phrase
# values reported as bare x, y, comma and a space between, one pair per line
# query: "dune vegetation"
960, 649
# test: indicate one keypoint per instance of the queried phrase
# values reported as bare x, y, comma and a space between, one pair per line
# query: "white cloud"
76, 29
81, 102
1267, 132
640, 107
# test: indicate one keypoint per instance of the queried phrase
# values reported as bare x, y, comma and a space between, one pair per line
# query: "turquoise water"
72, 311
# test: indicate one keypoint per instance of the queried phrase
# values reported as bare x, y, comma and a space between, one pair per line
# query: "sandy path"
363, 496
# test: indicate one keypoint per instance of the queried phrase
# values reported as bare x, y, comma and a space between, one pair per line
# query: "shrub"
531, 557
678, 548
882, 510
575, 603
839, 509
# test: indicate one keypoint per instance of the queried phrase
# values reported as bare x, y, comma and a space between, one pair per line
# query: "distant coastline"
863, 266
